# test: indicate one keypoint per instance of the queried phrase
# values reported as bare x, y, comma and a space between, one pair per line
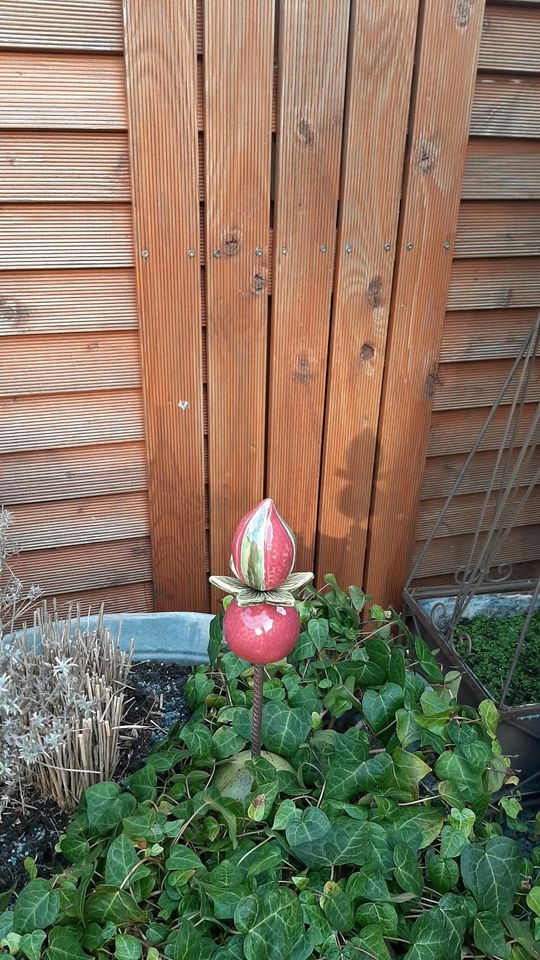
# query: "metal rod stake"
258, 677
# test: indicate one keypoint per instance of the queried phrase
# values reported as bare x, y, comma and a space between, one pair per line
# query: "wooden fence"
256, 247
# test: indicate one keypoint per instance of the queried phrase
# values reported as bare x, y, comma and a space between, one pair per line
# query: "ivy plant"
368, 827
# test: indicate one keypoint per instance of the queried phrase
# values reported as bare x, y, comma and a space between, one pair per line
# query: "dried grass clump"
61, 707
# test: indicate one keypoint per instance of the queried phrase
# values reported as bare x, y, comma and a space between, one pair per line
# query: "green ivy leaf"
197, 739
427, 662
64, 943
286, 812
277, 928
226, 742
533, 900
216, 638
104, 810
369, 944
318, 632
491, 873
489, 936
310, 825
36, 907
380, 706
31, 943
379, 914
407, 871
284, 729
127, 947
442, 873
368, 885
183, 858
110, 903
143, 783
338, 908
490, 717
121, 859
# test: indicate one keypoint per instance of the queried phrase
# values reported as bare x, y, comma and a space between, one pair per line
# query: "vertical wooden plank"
239, 39
448, 54
161, 81
312, 68
382, 55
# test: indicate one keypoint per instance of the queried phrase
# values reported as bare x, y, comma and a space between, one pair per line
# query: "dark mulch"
157, 702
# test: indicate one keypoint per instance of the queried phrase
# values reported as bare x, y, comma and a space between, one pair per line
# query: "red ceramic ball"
261, 633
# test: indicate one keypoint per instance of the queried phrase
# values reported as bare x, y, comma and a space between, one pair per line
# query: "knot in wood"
259, 283
231, 247
374, 292
462, 12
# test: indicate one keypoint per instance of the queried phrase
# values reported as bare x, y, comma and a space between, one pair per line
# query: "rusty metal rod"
258, 676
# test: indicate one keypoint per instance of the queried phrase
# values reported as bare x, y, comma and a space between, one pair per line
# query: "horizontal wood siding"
73, 463
61, 24
37, 166
493, 299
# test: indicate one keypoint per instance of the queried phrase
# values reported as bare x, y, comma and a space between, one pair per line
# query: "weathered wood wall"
73, 465
491, 300
273, 203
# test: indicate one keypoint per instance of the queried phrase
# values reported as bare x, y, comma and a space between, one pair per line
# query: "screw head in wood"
145, 254
410, 245
284, 251
191, 252
183, 404
216, 254
348, 248
258, 252
387, 247
446, 244
323, 248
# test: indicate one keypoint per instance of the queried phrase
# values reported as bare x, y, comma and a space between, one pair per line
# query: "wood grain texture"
35, 476
82, 361
62, 24
477, 384
451, 553
239, 46
310, 119
441, 472
454, 431
44, 167
84, 567
509, 229
504, 282
65, 235
162, 96
129, 598
382, 54
506, 106
502, 170
59, 523
64, 420
465, 510
71, 91
511, 40
485, 334
434, 170
67, 301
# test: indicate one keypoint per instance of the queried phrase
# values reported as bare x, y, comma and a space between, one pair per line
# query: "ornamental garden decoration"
261, 623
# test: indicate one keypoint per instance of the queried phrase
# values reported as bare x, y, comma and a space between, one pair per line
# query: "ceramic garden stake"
262, 624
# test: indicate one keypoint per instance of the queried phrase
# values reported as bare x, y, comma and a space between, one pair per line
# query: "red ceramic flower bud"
263, 633
263, 549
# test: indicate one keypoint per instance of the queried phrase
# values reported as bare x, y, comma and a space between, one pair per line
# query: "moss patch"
494, 641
